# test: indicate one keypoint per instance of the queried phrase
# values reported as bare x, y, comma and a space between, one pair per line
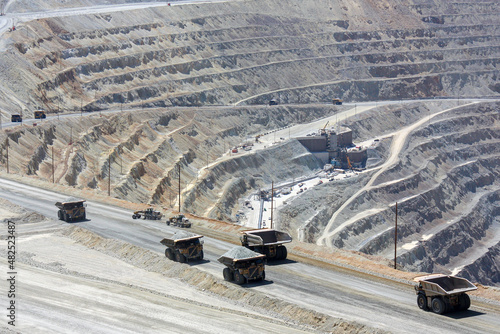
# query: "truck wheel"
59, 215
65, 216
239, 278
422, 301
134, 217
464, 302
281, 253
228, 274
169, 254
168, 222
438, 306
179, 257
263, 278
200, 257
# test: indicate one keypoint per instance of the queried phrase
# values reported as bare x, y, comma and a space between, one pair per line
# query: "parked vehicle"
443, 293
337, 102
243, 265
183, 246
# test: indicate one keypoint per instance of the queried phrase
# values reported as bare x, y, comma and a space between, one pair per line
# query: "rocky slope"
446, 184
250, 52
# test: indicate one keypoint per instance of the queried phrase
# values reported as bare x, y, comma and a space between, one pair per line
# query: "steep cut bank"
140, 153
445, 180
250, 52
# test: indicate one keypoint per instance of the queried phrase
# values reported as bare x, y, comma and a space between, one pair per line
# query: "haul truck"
40, 114
149, 213
266, 241
243, 265
442, 293
71, 209
184, 246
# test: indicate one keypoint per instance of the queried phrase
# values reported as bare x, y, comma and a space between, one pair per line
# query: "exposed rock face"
446, 182
253, 51
143, 151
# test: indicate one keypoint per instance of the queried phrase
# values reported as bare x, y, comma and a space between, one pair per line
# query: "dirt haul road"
337, 294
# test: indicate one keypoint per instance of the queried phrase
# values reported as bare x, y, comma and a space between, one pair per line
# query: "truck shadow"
252, 284
78, 221
279, 262
197, 262
463, 314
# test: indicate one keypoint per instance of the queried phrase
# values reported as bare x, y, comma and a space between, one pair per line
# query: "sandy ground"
66, 286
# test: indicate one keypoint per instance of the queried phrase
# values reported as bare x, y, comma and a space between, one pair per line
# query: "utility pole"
109, 175
272, 202
179, 169
396, 236
7, 147
53, 178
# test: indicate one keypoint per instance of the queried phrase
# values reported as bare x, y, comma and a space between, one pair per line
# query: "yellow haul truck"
442, 293
266, 241
243, 265
40, 114
71, 209
183, 246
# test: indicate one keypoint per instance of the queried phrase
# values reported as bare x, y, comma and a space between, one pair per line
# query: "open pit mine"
351, 109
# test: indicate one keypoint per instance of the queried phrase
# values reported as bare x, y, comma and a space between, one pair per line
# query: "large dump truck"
149, 213
179, 220
71, 209
183, 246
266, 241
40, 114
443, 293
243, 265
16, 118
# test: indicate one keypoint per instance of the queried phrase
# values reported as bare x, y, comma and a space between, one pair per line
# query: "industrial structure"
335, 147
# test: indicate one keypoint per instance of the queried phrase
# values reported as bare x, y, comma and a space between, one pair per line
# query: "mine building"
335, 147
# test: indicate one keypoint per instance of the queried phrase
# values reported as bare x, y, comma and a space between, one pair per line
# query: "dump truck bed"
172, 242
444, 284
266, 236
239, 254
60, 205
